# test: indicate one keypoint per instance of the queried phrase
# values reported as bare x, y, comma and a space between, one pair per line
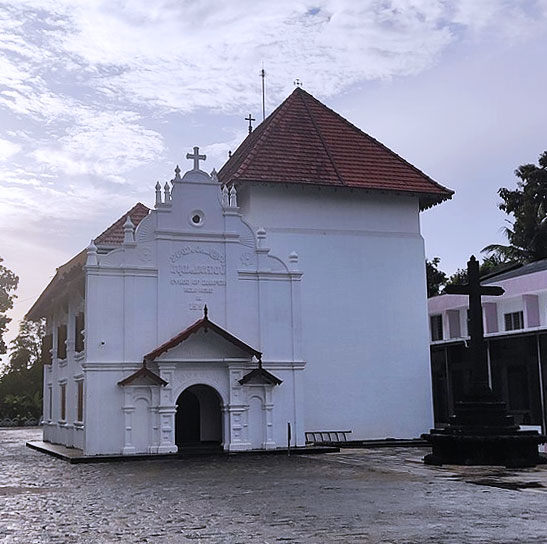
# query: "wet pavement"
383, 495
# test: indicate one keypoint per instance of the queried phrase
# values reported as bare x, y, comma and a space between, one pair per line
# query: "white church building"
288, 288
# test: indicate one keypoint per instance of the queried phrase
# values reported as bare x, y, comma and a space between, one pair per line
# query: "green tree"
490, 264
25, 349
527, 234
21, 379
436, 278
8, 284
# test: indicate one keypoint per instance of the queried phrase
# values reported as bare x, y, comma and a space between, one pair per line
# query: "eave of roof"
143, 372
66, 275
305, 142
72, 270
260, 374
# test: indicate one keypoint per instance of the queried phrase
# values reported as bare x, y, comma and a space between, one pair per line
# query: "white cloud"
184, 56
8, 148
104, 144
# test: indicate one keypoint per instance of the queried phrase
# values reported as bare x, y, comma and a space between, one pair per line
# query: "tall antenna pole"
263, 76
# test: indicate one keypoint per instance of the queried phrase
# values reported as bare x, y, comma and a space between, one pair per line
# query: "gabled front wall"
364, 315
156, 285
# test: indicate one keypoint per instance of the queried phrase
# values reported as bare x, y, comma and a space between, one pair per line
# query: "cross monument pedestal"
481, 432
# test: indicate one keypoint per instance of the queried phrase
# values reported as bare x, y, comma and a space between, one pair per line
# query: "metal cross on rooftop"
196, 157
250, 119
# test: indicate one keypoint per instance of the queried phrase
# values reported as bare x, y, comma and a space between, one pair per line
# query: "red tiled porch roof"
305, 142
205, 324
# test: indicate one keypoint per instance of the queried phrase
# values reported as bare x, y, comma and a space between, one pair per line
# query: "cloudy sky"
100, 99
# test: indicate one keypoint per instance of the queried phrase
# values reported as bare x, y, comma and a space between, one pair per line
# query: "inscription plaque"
198, 271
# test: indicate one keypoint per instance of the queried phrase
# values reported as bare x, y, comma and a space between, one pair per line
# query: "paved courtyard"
363, 495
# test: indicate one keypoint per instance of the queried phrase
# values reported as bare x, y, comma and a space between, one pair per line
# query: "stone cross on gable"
475, 290
196, 157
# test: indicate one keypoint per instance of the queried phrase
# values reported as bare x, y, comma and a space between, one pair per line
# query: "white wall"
364, 317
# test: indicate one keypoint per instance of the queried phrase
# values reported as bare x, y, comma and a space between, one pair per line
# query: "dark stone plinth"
481, 432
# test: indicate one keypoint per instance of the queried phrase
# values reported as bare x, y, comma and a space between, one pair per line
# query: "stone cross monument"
473, 288
481, 432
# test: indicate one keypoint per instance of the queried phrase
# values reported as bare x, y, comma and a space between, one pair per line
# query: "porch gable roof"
144, 373
206, 324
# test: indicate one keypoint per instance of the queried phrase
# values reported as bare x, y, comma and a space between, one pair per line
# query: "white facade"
193, 250
325, 285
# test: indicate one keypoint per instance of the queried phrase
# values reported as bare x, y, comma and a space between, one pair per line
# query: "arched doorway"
198, 421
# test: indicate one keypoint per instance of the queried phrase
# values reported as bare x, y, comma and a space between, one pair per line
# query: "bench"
326, 437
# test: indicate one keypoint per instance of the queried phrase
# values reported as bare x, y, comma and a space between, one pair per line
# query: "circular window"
196, 218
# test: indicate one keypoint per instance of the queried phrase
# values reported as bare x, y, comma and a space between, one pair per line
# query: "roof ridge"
355, 127
323, 141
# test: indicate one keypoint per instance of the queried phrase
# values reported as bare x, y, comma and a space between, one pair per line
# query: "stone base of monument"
481, 432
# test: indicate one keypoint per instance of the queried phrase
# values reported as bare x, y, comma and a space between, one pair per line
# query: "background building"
515, 326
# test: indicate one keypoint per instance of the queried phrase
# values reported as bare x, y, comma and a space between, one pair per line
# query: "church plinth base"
482, 433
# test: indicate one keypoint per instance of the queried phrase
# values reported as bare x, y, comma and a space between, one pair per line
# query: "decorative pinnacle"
92, 254
158, 194
260, 237
177, 172
297, 83
205, 312
129, 231
128, 225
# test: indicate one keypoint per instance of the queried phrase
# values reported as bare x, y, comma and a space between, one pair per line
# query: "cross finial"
297, 83
250, 119
196, 157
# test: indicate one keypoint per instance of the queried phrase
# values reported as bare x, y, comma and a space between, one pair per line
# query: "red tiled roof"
304, 141
202, 323
113, 235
